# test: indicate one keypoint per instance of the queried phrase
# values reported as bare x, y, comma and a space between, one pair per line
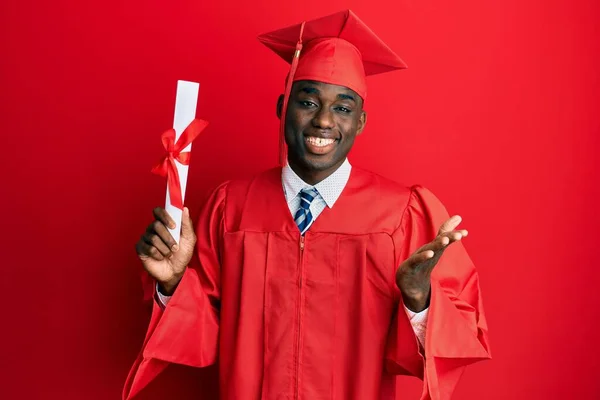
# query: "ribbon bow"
167, 167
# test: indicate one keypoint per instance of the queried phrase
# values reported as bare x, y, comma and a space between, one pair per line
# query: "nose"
323, 119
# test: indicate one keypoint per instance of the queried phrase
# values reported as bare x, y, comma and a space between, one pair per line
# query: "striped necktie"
303, 216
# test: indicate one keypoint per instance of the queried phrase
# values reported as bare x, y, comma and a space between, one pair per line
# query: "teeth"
319, 142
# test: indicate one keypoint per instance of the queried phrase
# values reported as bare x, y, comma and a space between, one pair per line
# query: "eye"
345, 110
307, 103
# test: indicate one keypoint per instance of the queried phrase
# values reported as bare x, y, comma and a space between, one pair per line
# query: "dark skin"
320, 110
322, 123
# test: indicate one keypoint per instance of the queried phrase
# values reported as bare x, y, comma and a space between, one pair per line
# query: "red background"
497, 114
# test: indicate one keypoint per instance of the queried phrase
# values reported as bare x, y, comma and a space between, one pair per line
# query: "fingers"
157, 241
418, 258
187, 227
448, 229
458, 235
437, 244
436, 247
160, 214
159, 229
450, 224
454, 236
145, 250
424, 256
428, 255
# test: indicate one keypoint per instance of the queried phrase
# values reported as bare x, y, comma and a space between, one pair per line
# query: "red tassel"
286, 97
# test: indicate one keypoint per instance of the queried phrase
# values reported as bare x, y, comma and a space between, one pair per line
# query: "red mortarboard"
338, 49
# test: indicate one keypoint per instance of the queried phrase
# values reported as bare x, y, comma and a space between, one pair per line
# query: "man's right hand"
164, 260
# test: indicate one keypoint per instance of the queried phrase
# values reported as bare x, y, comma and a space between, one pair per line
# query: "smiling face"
322, 122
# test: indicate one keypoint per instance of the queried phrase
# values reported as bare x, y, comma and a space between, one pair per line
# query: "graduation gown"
319, 316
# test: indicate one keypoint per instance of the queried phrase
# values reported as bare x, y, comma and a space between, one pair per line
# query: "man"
314, 281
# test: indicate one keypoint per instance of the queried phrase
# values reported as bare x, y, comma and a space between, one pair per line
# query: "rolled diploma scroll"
185, 111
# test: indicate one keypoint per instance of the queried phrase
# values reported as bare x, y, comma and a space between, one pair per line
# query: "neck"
313, 176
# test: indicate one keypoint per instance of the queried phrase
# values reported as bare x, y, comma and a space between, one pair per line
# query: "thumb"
187, 227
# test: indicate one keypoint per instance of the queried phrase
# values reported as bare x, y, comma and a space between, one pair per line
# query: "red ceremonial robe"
318, 317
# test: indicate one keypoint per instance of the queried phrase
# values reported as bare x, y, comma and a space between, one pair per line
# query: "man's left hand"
413, 275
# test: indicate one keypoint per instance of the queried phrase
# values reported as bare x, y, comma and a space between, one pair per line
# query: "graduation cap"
337, 49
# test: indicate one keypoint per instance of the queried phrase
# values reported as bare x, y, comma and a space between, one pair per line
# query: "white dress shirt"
329, 190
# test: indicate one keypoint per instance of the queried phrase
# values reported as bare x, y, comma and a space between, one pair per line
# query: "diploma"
178, 144
185, 112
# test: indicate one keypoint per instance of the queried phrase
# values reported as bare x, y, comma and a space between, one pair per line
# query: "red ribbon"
167, 168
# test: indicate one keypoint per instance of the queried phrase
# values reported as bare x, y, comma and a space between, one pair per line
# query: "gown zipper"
301, 272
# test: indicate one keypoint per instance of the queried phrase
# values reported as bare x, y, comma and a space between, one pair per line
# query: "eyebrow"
341, 96
310, 90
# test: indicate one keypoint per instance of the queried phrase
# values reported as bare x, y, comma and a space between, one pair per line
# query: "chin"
317, 163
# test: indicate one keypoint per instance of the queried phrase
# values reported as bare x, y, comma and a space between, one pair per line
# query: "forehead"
323, 88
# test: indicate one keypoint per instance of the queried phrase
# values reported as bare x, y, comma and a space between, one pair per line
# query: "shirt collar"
329, 188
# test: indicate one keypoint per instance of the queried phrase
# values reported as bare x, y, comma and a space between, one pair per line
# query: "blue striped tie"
303, 216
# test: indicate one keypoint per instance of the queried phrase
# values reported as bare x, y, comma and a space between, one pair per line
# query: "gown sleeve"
456, 333
186, 331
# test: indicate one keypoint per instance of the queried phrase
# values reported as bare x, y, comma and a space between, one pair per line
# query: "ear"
279, 106
361, 122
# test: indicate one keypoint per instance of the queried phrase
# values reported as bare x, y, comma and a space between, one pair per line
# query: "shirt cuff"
419, 323
162, 299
